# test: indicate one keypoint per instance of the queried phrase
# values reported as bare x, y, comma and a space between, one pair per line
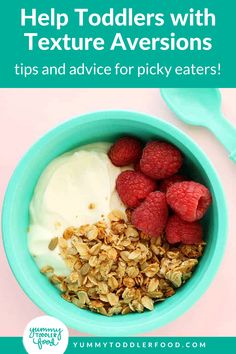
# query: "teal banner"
90, 43
138, 345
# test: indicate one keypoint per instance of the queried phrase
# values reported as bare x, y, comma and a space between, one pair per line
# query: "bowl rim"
207, 278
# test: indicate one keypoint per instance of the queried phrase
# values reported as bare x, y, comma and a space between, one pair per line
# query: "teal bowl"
107, 126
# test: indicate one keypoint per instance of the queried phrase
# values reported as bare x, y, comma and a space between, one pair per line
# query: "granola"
116, 269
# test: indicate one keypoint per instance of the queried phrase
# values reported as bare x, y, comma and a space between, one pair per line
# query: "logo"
46, 335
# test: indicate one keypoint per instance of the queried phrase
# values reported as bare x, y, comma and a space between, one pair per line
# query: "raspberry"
151, 216
125, 151
168, 182
190, 200
178, 230
160, 160
137, 166
133, 187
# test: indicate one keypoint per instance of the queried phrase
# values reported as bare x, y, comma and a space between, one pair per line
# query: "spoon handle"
226, 134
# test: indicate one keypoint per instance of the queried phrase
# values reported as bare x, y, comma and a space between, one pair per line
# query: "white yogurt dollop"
67, 187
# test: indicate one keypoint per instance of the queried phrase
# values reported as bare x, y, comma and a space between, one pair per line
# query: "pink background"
27, 114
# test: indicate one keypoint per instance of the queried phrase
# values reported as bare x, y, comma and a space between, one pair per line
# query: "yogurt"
63, 197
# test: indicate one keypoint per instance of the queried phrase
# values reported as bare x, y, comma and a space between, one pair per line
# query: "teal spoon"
202, 107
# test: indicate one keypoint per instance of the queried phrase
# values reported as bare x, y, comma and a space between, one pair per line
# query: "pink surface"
27, 114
